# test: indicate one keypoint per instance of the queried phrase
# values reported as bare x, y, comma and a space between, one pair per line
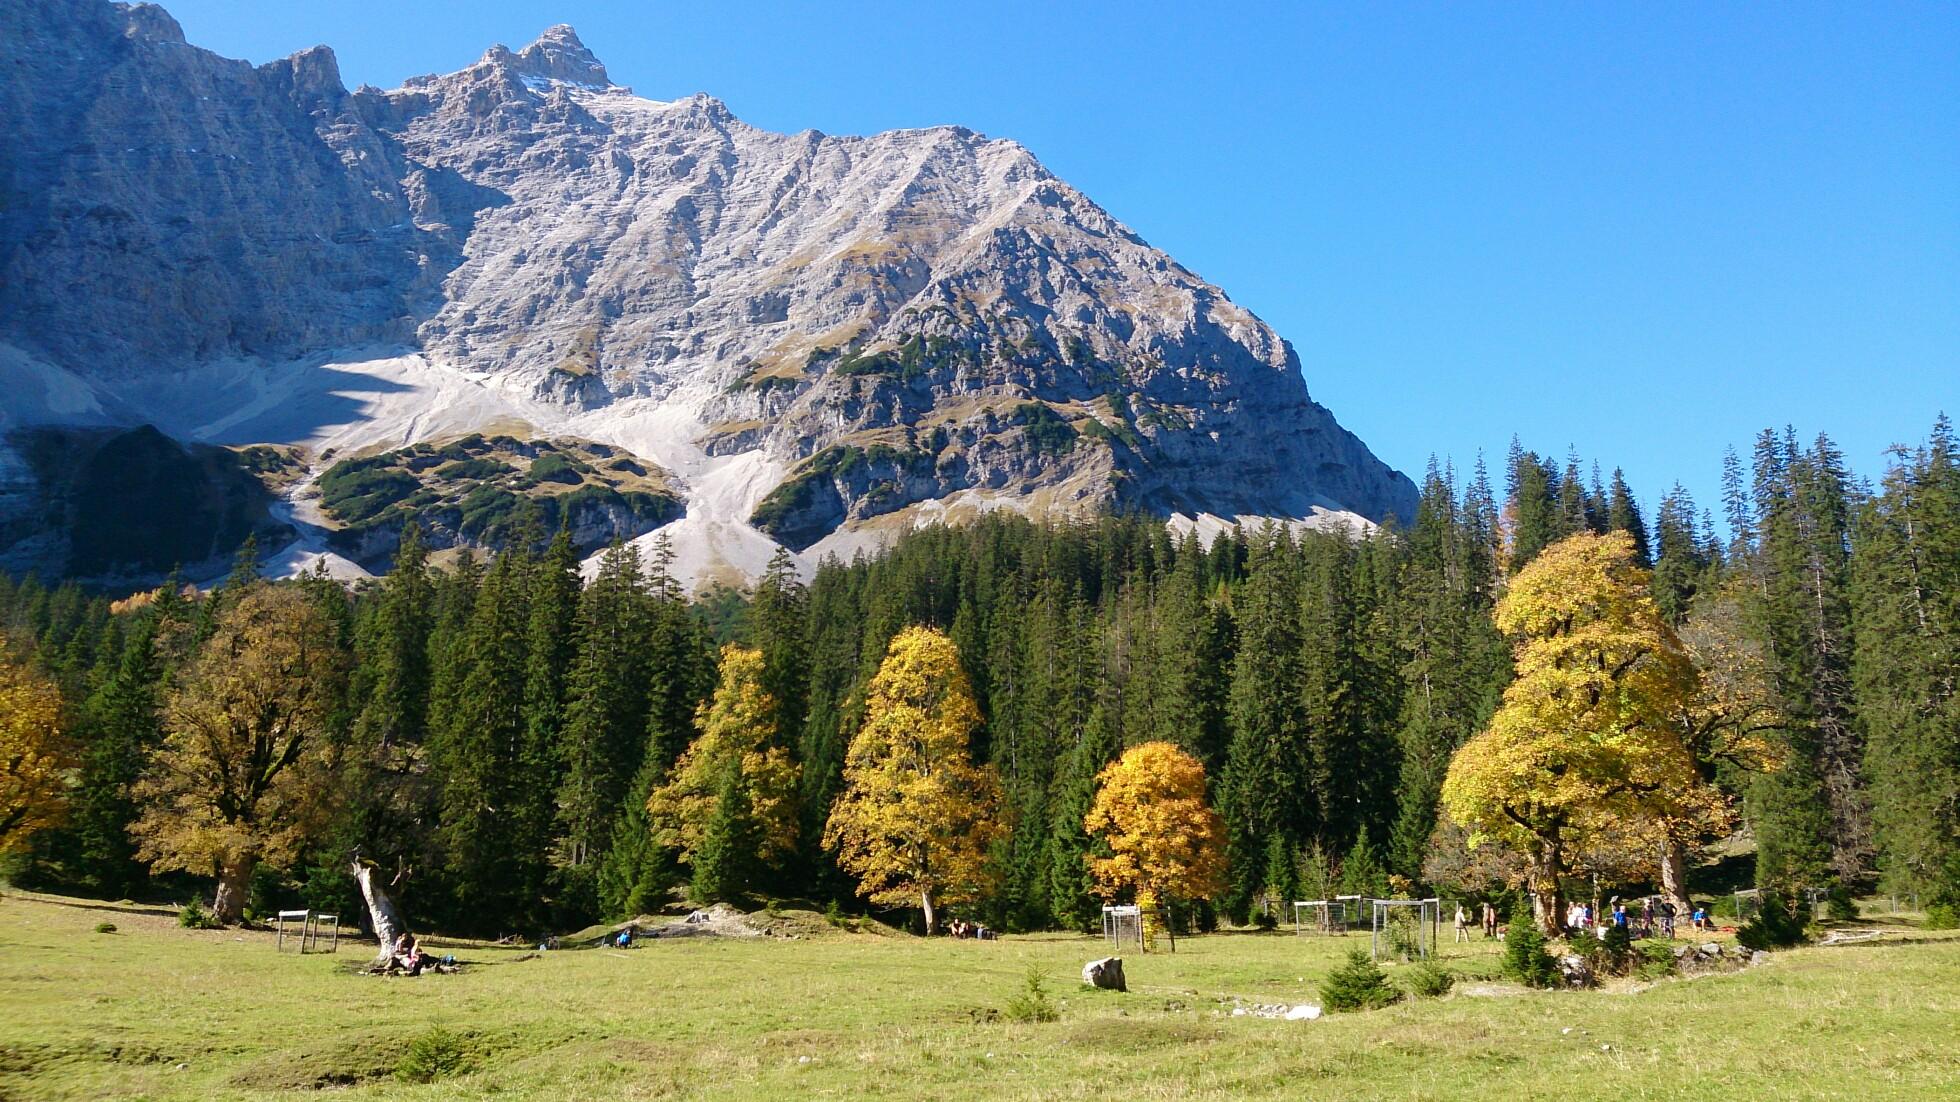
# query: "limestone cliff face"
160, 205
886, 324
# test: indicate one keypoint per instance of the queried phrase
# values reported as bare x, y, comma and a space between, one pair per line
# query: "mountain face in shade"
816, 339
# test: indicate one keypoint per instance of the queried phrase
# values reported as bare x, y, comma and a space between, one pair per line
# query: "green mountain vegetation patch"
484, 490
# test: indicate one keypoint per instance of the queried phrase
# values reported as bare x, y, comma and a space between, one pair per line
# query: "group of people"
961, 928
1488, 922
1654, 917
408, 959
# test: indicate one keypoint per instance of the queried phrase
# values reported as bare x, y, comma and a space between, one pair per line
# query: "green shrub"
1656, 960
1942, 916
1357, 985
193, 916
1046, 429
1842, 908
557, 468
1031, 1003
1525, 958
105, 927
436, 1054
1616, 950
1774, 927
1428, 980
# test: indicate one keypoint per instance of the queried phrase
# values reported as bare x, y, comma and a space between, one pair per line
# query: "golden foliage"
1588, 745
245, 773
35, 759
1164, 840
916, 815
738, 723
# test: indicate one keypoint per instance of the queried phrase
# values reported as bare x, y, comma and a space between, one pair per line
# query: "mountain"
813, 340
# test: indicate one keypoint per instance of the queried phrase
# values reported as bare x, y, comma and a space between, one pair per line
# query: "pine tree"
1623, 515
605, 732
1280, 880
724, 865
1265, 789
1906, 669
1361, 870
777, 619
478, 756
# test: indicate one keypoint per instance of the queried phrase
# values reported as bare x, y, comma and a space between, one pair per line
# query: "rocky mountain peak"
150, 22
821, 340
559, 55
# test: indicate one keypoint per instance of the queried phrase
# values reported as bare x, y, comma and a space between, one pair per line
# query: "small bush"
1357, 985
1428, 980
1656, 960
1842, 908
436, 1054
1616, 950
193, 916
1774, 927
1525, 958
1031, 1003
1942, 916
105, 927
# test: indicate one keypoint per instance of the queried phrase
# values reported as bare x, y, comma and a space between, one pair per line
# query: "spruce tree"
1265, 788
724, 867
479, 761
1906, 667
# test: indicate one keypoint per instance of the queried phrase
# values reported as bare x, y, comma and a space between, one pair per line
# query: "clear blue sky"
1645, 230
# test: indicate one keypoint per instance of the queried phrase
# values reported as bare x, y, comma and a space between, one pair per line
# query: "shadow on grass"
154, 910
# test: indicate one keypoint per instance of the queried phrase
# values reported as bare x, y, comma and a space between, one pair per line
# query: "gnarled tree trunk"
388, 923
234, 884
1674, 876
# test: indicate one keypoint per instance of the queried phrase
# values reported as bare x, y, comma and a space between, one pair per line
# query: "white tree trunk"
388, 924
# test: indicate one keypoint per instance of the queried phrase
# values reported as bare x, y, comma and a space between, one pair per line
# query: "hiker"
1701, 917
1620, 915
1647, 917
1462, 925
1667, 918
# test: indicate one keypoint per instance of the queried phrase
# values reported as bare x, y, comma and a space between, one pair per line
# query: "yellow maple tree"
245, 772
35, 759
738, 724
916, 815
1587, 748
1165, 842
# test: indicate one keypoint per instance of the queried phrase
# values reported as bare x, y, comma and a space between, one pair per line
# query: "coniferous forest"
511, 744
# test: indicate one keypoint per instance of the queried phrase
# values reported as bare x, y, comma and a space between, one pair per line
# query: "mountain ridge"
821, 338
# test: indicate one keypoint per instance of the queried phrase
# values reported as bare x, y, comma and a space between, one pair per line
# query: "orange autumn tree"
245, 774
1165, 842
917, 815
35, 761
1588, 750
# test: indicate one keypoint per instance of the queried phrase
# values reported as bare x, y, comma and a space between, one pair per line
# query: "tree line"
519, 749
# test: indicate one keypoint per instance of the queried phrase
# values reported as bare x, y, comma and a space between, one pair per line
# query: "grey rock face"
932, 302
160, 205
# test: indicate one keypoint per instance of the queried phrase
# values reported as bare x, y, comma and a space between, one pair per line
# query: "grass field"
156, 1011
